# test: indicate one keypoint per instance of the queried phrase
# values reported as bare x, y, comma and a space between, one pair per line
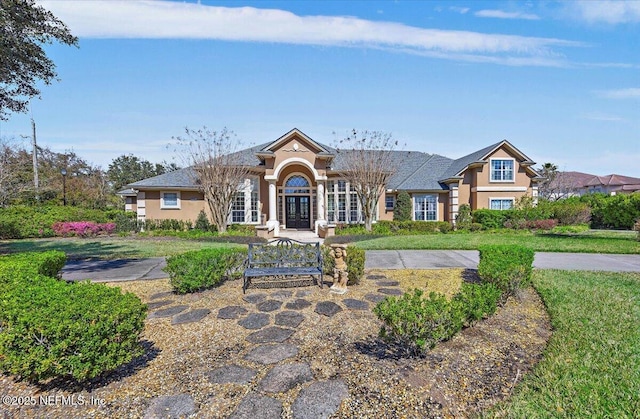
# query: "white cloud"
629, 93
501, 14
607, 11
461, 10
166, 19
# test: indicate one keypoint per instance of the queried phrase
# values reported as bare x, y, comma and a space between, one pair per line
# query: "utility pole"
36, 181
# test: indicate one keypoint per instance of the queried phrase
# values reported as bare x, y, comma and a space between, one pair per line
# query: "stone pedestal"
340, 275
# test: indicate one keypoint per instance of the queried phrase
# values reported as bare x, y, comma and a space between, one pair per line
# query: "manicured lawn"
587, 242
591, 367
109, 247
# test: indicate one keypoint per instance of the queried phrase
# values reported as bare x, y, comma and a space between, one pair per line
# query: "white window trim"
491, 170
164, 206
413, 206
393, 198
502, 198
247, 187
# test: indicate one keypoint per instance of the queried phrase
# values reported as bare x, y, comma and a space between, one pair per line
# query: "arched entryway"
297, 193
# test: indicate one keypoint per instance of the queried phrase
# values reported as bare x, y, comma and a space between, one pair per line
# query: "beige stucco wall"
191, 203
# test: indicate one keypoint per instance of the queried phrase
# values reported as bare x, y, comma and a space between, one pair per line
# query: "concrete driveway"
434, 259
151, 268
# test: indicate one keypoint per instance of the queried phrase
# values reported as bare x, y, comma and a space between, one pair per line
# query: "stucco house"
295, 184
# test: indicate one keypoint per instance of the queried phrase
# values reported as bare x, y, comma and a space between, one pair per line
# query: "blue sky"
559, 80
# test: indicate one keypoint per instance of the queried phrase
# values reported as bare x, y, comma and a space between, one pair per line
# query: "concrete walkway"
151, 268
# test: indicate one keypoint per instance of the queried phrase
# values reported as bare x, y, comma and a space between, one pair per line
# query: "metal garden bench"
279, 260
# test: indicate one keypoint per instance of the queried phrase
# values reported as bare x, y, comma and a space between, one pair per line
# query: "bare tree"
556, 185
217, 168
367, 163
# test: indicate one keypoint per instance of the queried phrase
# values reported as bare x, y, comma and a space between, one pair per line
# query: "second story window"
502, 170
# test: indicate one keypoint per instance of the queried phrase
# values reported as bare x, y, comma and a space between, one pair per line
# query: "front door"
298, 210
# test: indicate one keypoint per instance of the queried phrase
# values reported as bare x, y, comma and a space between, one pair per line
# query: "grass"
109, 247
587, 242
591, 367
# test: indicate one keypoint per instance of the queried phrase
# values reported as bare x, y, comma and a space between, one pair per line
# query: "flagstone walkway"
272, 316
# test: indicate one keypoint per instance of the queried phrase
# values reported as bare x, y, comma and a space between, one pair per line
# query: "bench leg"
245, 285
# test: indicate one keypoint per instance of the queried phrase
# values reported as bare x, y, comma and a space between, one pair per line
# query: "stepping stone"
178, 406
328, 308
376, 277
298, 304
157, 304
255, 298
284, 377
270, 334
354, 304
231, 374
231, 312
282, 294
390, 291
256, 406
289, 318
159, 295
374, 298
303, 293
388, 283
255, 321
269, 305
320, 400
272, 354
167, 312
191, 316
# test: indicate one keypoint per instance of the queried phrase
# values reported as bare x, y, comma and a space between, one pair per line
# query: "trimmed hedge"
416, 324
54, 329
507, 267
201, 269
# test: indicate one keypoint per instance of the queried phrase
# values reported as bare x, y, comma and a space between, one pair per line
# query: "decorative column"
320, 202
453, 203
273, 213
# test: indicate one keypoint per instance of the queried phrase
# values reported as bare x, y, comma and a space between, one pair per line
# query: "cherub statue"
340, 275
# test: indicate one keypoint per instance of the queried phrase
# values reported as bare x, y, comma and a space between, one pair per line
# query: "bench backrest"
284, 253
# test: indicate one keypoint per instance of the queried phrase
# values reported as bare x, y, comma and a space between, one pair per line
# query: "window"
237, 208
425, 207
255, 216
297, 184
389, 202
502, 170
501, 203
169, 200
343, 205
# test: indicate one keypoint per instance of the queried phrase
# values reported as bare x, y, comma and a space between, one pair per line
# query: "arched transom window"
296, 184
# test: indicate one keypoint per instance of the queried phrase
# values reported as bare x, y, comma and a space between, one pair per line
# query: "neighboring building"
567, 184
295, 184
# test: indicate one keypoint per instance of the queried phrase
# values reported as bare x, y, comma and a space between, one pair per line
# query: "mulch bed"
476, 369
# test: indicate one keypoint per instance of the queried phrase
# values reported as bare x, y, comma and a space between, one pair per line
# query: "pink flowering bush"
82, 228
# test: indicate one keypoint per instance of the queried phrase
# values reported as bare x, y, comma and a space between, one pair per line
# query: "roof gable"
300, 136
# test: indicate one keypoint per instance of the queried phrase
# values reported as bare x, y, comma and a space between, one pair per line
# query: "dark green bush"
168, 224
464, 218
402, 210
127, 222
507, 267
202, 269
477, 301
50, 328
491, 219
636, 227
612, 211
328, 263
241, 230
416, 323
202, 222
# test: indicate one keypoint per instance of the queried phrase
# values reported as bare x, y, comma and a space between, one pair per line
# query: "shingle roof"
459, 164
182, 178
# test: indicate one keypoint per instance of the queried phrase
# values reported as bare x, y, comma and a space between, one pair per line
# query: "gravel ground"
473, 370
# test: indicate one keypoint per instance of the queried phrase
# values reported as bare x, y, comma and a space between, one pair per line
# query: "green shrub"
23, 221
50, 328
201, 269
508, 267
490, 219
241, 230
477, 301
355, 264
202, 222
464, 218
48, 263
402, 210
127, 222
415, 323
636, 227
328, 263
